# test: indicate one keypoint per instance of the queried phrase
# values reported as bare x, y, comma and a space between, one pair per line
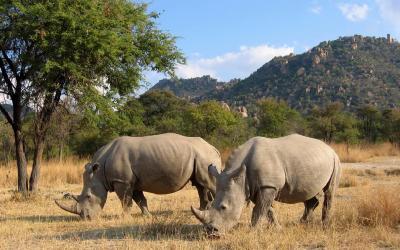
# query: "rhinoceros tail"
333, 182
330, 188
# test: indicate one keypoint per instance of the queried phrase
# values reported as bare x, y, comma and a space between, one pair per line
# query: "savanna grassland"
366, 215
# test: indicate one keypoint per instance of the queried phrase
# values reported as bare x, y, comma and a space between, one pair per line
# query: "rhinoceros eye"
222, 207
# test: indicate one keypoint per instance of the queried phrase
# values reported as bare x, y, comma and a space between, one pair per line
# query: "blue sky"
231, 39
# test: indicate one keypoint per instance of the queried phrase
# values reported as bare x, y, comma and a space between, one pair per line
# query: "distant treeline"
82, 130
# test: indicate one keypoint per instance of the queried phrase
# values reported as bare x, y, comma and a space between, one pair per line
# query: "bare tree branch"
6, 78
11, 64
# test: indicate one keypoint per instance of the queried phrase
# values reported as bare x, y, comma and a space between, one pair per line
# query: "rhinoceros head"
93, 196
228, 204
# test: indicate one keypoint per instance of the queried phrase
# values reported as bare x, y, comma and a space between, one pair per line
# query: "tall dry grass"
365, 216
364, 219
53, 172
363, 152
378, 207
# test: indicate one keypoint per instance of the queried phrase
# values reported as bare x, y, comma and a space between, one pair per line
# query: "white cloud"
316, 9
237, 64
390, 12
354, 12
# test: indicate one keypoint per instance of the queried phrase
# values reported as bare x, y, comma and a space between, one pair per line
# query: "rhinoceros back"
299, 167
158, 164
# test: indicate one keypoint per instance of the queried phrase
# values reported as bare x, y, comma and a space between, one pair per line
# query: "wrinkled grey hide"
289, 169
160, 164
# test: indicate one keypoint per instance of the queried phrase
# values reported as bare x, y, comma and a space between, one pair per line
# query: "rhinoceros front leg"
204, 196
141, 201
309, 207
262, 207
124, 193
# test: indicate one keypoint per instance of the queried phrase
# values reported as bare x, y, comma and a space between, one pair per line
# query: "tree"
133, 112
370, 123
325, 122
50, 49
6, 143
391, 125
163, 111
214, 123
347, 130
277, 119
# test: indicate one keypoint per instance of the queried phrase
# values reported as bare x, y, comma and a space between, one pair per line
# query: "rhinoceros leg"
141, 201
329, 192
272, 218
309, 207
328, 197
205, 201
205, 195
124, 193
262, 207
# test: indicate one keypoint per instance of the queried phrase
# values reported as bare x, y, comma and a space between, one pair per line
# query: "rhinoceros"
159, 164
289, 169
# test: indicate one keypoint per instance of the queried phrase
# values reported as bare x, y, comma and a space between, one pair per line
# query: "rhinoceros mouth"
212, 232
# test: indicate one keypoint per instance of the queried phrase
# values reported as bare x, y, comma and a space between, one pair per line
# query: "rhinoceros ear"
88, 166
92, 167
238, 173
95, 166
212, 169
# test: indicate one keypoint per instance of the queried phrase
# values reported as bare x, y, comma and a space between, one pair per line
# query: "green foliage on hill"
193, 88
355, 71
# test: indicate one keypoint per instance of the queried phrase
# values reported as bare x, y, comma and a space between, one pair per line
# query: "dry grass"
362, 153
52, 173
225, 154
380, 207
364, 217
352, 177
348, 181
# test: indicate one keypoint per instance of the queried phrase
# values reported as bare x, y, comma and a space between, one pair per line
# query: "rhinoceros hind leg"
262, 207
141, 201
309, 207
124, 193
328, 197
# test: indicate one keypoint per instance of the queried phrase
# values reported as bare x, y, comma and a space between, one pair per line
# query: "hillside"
354, 70
192, 88
7, 107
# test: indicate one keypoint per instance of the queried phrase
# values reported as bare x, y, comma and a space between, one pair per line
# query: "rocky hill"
7, 107
353, 70
192, 88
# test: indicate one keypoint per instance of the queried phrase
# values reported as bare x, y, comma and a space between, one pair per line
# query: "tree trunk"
21, 162
61, 152
37, 160
42, 123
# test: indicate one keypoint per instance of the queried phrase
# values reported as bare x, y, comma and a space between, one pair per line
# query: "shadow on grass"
156, 213
151, 232
41, 218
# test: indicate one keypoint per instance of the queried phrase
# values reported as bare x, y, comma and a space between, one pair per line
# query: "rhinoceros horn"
202, 216
72, 209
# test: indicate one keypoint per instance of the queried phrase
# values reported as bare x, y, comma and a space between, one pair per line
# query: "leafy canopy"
70, 45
